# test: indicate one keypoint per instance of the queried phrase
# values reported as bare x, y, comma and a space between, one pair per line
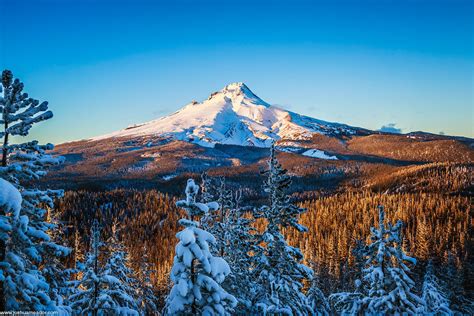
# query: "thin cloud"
390, 128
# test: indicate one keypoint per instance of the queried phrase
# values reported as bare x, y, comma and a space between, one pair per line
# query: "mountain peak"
235, 86
239, 90
233, 116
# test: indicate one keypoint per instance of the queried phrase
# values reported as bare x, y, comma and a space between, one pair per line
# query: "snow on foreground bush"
10, 199
197, 275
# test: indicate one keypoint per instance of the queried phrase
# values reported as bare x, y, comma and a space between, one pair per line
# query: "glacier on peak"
233, 116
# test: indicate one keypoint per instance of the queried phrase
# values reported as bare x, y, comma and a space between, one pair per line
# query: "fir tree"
279, 270
27, 246
146, 296
197, 274
454, 278
239, 243
434, 299
219, 229
56, 274
100, 292
390, 288
123, 292
78, 255
348, 303
316, 299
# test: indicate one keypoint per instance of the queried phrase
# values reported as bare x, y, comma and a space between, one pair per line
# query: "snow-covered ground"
316, 153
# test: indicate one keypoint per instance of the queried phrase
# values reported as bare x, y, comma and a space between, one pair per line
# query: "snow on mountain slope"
233, 116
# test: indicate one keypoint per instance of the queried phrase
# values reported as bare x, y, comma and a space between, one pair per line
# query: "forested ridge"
437, 226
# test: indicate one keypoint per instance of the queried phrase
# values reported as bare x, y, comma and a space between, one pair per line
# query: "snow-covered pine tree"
76, 272
348, 303
219, 229
10, 206
316, 298
239, 243
206, 188
56, 274
208, 220
390, 288
146, 296
460, 303
197, 275
78, 255
85, 301
123, 292
99, 292
280, 271
24, 249
434, 299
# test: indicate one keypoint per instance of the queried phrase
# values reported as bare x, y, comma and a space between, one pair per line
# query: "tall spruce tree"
279, 270
27, 245
197, 275
123, 293
460, 302
348, 303
100, 292
240, 242
390, 288
146, 295
434, 299
316, 298
55, 272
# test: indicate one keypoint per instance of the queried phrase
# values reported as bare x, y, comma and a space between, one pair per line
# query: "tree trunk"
2, 258
96, 285
221, 250
5, 147
193, 306
2, 213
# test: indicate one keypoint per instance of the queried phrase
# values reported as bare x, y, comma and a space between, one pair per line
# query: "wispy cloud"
390, 128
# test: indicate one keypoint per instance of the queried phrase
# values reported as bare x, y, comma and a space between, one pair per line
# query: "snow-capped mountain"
234, 116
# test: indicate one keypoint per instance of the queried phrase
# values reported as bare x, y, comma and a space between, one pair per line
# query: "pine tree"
390, 288
197, 274
423, 241
146, 296
208, 221
85, 301
316, 299
123, 292
206, 188
54, 271
79, 257
219, 229
434, 299
459, 301
279, 270
239, 243
100, 292
348, 303
27, 245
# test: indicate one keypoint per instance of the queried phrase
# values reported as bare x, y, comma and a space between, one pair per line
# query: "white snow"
169, 177
10, 198
316, 153
234, 116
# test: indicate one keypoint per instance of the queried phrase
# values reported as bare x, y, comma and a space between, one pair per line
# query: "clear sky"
104, 65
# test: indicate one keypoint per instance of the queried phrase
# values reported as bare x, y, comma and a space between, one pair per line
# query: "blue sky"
104, 65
